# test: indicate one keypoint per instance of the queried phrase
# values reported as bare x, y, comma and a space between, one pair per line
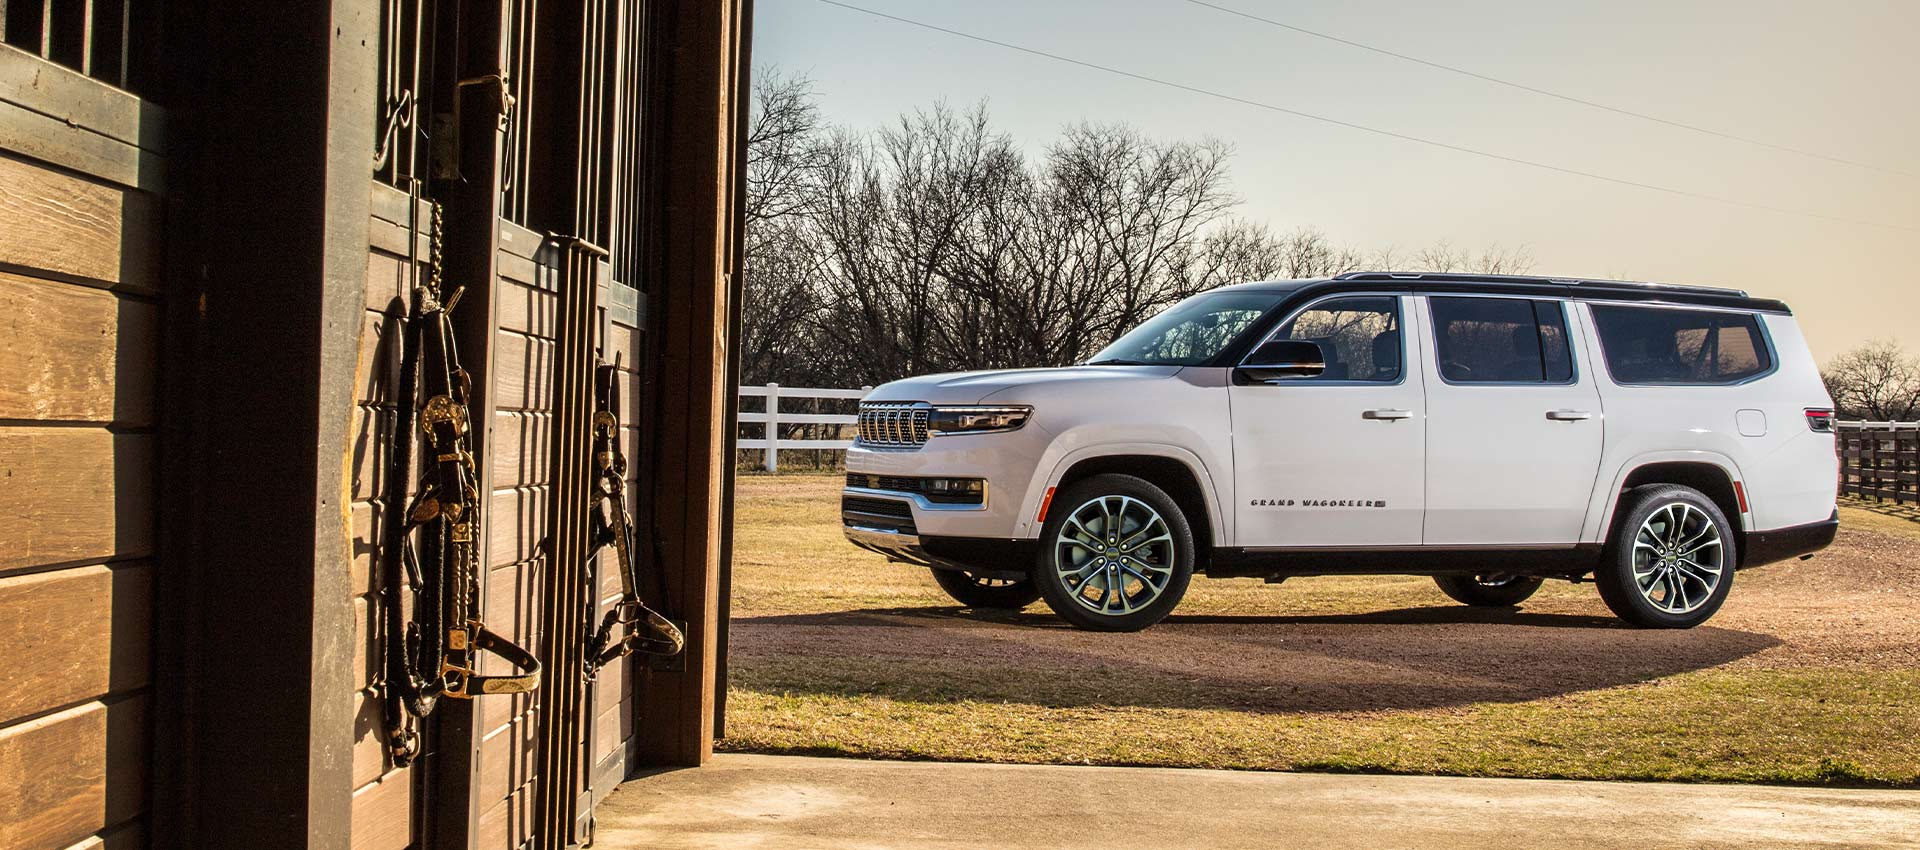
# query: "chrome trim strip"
918, 500
880, 537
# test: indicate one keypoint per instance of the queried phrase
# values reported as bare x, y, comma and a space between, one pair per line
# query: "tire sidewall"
959, 585
1615, 576
1466, 591
1069, 500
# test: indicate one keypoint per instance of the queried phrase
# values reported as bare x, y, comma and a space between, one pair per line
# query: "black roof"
1563, 287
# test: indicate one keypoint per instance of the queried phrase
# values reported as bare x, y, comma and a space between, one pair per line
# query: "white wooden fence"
771, 442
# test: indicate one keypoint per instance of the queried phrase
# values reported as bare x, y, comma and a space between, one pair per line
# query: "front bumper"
888, 523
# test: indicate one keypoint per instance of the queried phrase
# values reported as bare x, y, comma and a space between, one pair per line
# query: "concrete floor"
799, 803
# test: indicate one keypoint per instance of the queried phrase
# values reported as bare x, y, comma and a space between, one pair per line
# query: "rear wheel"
1116, 554
1488, 590
1670, 562
976, 591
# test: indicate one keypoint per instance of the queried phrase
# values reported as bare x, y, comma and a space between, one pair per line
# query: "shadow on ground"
1410, 658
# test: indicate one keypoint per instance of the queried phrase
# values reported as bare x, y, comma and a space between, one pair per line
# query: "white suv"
1491, 432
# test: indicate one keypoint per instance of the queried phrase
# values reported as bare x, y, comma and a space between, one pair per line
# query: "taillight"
1820, 419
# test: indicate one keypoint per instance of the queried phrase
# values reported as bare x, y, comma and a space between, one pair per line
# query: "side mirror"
1281, 359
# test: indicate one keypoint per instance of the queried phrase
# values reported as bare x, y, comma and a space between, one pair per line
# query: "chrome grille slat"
893, 424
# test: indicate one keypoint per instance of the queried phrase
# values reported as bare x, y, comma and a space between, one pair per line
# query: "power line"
1367, 129
1552, 94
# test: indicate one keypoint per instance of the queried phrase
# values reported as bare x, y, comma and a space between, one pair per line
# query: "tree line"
938, 244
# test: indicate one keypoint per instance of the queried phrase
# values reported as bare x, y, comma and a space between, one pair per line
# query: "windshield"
1191, 332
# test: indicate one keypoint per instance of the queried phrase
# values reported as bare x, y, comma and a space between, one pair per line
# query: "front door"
1336, 460
1513, 423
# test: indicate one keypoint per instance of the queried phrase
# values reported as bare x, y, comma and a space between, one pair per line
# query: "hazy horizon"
1790, 74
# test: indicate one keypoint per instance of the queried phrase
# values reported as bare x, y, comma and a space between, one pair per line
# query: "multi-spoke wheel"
1116, 554
1671, 560
1488, 590
983, 591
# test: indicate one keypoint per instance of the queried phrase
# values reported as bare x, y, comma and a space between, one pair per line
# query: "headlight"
976, 419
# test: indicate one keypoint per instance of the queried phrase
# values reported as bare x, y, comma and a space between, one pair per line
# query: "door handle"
1568, 415
1387, 414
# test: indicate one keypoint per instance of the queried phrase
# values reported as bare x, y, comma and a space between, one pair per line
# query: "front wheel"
1488, 590
983, 592
1670, 562
1116, 554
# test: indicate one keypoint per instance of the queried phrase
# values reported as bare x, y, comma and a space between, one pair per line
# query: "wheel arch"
1187, 484
1715, 477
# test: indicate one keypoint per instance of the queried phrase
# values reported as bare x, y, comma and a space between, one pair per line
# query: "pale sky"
1836, 78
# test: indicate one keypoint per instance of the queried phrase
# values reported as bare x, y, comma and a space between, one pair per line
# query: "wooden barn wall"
80, 218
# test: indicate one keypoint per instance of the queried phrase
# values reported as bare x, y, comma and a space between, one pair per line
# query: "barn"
216, 220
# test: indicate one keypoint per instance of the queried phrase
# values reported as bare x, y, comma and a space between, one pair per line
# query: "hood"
976, 387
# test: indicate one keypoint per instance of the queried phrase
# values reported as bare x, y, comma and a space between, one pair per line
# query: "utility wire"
1374, 130
1552, 94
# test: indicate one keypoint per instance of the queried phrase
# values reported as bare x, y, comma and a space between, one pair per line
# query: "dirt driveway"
1800, 677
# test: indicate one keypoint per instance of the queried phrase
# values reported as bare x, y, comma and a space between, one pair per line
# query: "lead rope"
642, 628
444, 635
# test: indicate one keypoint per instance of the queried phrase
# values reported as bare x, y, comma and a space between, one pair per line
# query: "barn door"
527, 131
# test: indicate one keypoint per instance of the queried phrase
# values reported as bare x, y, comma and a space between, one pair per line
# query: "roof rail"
1555, 281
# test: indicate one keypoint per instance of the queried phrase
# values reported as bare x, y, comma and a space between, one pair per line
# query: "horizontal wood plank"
64, 225
75, 353
516, 523
389, 290
527, 310
74, 635
376, 374
523, 372
509, 757
508, 824
80, 101
370, 757
71, 774
521, 445
383, 813
74, 494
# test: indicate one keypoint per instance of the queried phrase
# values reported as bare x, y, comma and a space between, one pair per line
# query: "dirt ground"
1815, 651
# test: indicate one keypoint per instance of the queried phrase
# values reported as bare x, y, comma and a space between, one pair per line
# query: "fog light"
954, 490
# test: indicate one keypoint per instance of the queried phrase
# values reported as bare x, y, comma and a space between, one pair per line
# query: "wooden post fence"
1879, 460
771, 420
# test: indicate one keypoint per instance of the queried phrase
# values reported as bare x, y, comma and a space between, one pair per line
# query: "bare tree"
1877, 381
936, 244
1443, 257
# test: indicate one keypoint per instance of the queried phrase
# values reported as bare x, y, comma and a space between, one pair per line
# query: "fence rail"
1879, 460
771, 443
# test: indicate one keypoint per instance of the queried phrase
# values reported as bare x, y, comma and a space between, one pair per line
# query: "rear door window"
1501, 340
1658, 345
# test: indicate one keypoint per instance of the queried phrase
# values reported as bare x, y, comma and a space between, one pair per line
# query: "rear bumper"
1780, 544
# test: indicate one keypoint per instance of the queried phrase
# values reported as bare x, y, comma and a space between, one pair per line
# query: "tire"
1659, 570
1150, 578
979, 592
1493, 590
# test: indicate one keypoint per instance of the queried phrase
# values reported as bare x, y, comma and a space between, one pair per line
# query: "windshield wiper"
1117, 362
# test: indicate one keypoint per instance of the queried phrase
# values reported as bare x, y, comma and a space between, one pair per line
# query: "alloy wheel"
1114, 555
1678, 558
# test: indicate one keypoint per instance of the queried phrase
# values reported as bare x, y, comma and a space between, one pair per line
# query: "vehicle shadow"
1410, 658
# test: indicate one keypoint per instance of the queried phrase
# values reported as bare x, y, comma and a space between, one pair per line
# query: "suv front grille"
893, 424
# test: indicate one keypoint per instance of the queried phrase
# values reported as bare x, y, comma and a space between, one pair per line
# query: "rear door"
1514, 424
1336, 460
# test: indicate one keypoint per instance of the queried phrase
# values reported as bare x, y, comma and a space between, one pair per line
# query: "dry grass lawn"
1811, 673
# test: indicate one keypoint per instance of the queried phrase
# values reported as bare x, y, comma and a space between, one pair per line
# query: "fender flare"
1208, 494
1607, 501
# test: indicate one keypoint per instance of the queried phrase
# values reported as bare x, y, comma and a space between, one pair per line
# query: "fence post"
771, 462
